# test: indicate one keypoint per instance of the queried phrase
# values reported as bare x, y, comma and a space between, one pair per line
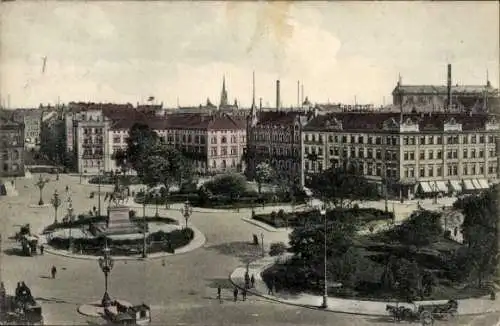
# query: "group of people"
249, 283
23, 293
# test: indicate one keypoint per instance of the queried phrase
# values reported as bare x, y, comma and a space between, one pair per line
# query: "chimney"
449, 88
278, 100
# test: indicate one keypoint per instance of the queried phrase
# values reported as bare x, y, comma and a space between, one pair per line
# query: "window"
448, 154
439, 171
360, 140
189, 139
213, 151
320, 150
431, 140
422, 155
234, 150
331, 151
439, 154
223, 140
449, 140
412, 140
344, 139
473, 153
330, 138
455, 154
439, 140
406, 156
473, 139
405, 140
214, 164
465, 153
464, 170
481, 153
481, 169
465, 139
422, 140
431, 155
224, 151
320, 138
378, 140
116, 139
320, 166
379, 154
412, 156
430, 171
481, 139
422, 172
473, 169
353, 139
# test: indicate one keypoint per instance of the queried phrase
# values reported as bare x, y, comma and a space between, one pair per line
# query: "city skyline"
339, 51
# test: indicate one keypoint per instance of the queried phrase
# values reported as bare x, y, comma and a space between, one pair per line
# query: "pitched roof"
375, 121
443, 89
203, 121
278, 117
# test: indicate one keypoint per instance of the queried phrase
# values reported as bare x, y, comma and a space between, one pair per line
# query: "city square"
253, 163
181, 289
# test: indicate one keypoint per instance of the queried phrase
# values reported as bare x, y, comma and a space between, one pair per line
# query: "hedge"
111, 179
281, 218
158, 242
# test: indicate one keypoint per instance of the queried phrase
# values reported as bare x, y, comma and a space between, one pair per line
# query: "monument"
118, 221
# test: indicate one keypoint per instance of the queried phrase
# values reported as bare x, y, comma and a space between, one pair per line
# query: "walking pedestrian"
219, 293
252, 281
67, 188
235, 294
244, 294
53, 271
455, 231
41, 249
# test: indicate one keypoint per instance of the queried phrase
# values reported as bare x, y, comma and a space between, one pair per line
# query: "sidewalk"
475, 306
197, 242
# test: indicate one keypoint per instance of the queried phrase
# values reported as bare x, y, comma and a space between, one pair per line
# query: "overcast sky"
125, 52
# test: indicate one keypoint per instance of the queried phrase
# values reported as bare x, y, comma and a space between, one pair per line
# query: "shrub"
277, 249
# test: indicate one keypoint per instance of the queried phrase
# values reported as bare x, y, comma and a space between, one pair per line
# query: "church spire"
253, 90
223, 95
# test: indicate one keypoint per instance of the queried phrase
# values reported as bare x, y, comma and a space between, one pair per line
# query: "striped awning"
455, 185
483, 183
441, 186
468, 185
476, 184
426, 187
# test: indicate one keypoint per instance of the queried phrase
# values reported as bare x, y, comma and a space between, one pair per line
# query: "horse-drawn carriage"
426, 313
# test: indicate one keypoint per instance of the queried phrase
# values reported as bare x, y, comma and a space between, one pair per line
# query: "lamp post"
41, 184
157, 197
187, 210
99, 187
106, 264
145, 226
325, 290
70, 219
262, 244
56, 202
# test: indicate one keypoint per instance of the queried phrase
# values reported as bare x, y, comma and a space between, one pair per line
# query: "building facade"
432, 153
274, 137
12, 148
89, 142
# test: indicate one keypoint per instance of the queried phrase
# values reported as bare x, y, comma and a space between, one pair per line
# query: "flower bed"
158, 242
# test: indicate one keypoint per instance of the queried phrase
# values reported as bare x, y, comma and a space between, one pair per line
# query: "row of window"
97, 131
223, 151
10, 168
90, 151
89, 140
450, 154
280, 137
14, 155
92, 163
452, 170
407, 140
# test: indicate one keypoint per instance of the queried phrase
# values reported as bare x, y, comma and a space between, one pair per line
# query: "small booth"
128, 315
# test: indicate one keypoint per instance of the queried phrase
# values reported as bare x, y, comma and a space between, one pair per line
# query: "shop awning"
455, 185
468, 185
476, 184
426, 187
441, 186
483, 183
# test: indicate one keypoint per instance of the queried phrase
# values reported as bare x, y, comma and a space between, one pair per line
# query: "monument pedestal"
119, 221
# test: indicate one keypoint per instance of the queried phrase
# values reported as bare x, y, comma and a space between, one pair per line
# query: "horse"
395, 311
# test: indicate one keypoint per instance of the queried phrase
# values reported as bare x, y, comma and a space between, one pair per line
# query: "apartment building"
407, 155
89, 144
11, 148
214, 143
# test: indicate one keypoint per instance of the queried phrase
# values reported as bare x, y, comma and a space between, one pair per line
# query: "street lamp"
262, 244
99, 187
41, 184
106, 263
325, 292
56, 202
70, 219
187, 210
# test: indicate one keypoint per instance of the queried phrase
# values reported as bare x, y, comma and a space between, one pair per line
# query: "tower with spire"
253, 108
223, 94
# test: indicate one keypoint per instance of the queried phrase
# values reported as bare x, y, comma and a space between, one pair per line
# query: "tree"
480, 229
422, 228
121, 160
339, 187
263, 174
141, 141
164, 166
230, 185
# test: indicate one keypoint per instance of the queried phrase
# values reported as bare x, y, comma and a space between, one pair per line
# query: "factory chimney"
449, 88
278, 98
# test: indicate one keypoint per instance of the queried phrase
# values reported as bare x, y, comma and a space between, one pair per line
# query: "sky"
179, 52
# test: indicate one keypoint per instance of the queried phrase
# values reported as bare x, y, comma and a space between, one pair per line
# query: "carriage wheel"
426, 318
453, 314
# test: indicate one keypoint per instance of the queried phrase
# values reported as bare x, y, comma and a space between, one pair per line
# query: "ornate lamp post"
71, 217
325, 290
106, 264
41, 184
187, 211
99, 187
56, 202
